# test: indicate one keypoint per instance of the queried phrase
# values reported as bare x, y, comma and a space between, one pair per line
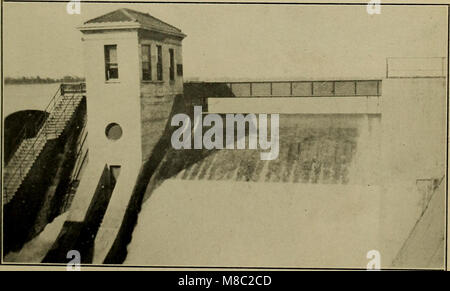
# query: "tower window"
159, 64
146, 63
172, 65
111, 67
180, 69
113, 131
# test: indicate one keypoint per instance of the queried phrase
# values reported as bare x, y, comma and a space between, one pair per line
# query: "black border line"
226, 267
226, 2
447, 139
2, 133
240, 268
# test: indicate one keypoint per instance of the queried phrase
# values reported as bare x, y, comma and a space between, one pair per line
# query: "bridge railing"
73, 88
306, 88
201, 91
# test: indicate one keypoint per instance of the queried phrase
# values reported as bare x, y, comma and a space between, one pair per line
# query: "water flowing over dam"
318, 163
307, 155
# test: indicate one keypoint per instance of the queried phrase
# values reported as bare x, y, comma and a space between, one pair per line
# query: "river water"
25, 97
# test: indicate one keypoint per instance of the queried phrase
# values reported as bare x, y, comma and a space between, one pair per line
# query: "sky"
230, 42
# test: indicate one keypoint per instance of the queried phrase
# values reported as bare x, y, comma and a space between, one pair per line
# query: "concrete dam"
361, 165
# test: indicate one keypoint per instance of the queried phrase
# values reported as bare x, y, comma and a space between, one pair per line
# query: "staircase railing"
62, 114
43, 124
78, 158
22, 135
80, 166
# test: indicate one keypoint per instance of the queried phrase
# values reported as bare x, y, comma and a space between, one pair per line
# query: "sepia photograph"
264, 135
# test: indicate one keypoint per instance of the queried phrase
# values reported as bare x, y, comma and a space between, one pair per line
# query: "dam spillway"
307, 155
198, 196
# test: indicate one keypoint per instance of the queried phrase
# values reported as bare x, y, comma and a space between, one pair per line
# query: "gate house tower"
134, 69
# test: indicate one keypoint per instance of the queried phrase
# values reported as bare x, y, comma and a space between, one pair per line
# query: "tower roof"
120, 17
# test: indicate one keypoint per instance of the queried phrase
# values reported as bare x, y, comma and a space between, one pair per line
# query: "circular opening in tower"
113, 131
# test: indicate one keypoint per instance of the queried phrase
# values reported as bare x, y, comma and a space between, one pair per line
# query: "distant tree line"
39, 80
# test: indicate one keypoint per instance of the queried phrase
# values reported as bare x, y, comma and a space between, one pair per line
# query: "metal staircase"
60, 108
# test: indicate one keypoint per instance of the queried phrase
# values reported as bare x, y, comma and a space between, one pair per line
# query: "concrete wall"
413, 128
413, 132
155, 114
425, 246
115, 101
296, 105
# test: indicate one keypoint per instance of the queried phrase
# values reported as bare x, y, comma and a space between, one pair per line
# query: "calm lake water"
22, 97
